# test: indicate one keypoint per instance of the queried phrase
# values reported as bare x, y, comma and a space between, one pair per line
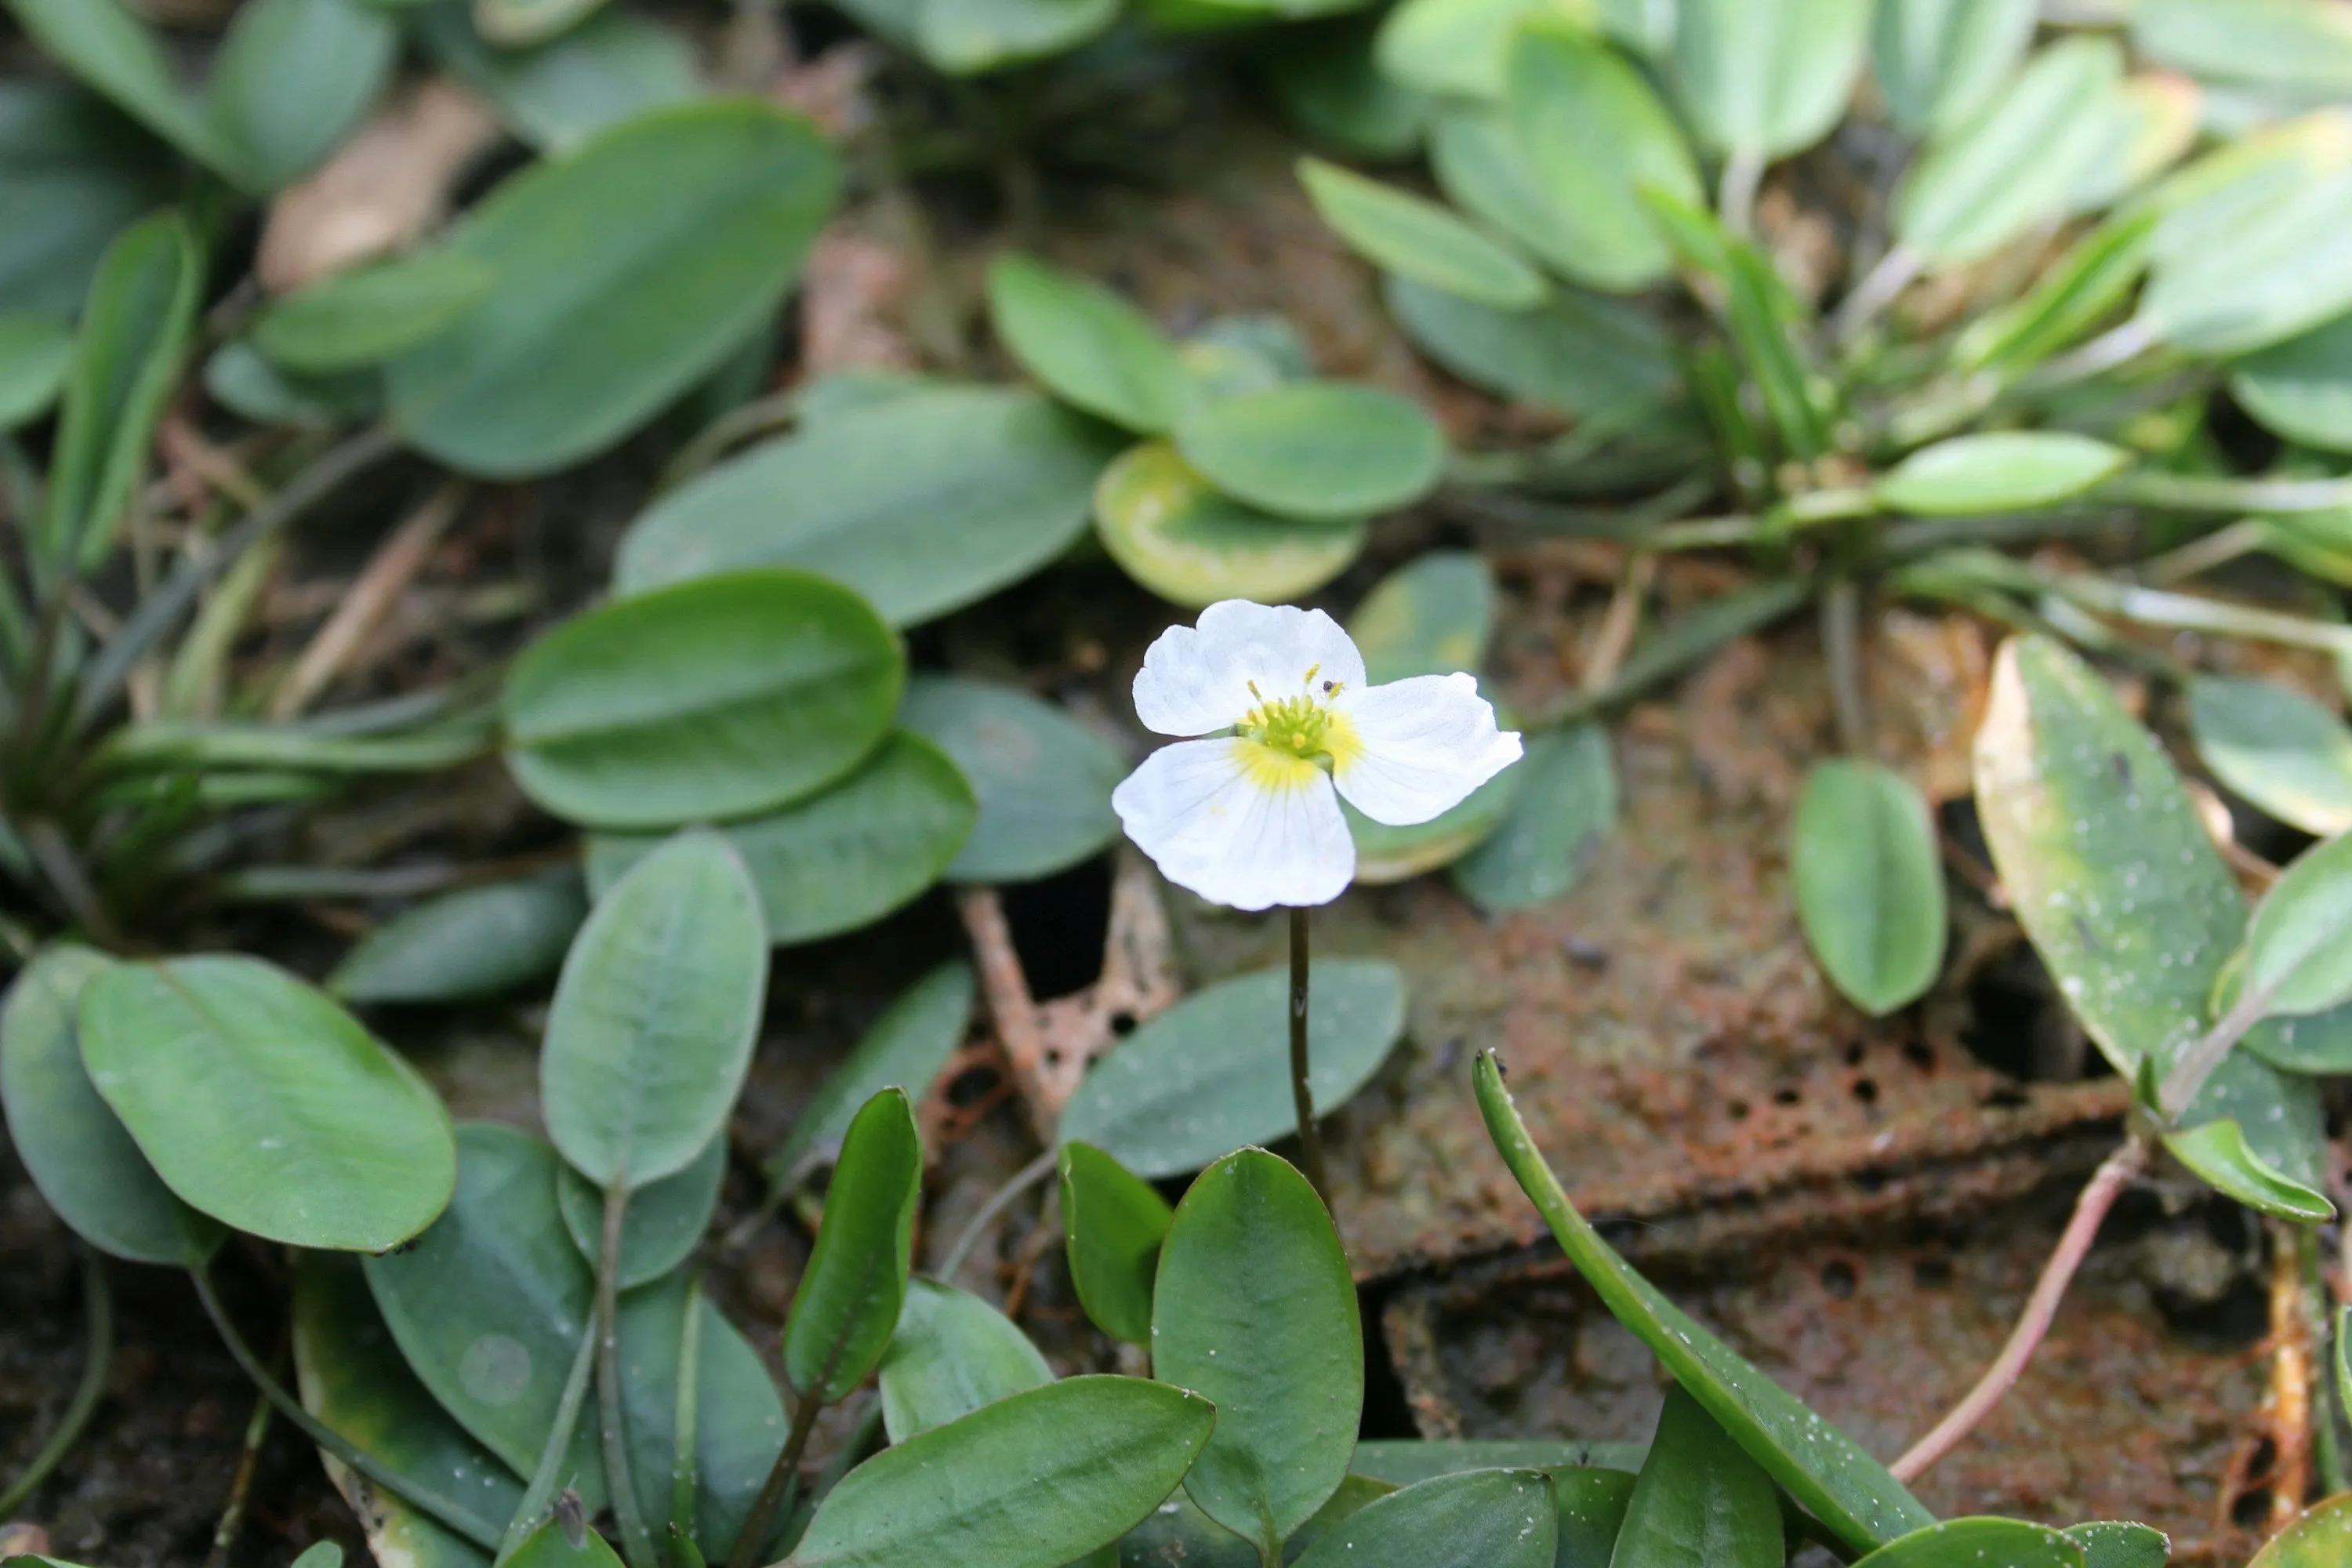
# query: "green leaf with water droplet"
2320, 1537
1326, 451
1974, 1542
1113, 1222
664, 1220
2115, 1543
1699, 1497
951, 1354
2299, 945
2218, 1153
1482, 1519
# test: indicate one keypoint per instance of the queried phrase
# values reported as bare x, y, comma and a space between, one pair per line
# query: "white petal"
1238, 824
1419, 747
1196, 680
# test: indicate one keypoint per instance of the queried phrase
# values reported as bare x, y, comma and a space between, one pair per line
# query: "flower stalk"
1302, 1090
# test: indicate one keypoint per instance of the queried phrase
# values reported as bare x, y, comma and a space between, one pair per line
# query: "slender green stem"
782, 1481
457, 1516
240, 1486
538, 1497
636, 1545
1027, 1177
2202, 492
686, 1415
98, 1316
1302, 1091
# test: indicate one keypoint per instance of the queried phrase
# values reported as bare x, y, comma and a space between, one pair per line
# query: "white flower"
1248, 818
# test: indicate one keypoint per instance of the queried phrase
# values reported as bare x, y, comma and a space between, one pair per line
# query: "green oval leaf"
720, 698
265, 1106
738, 1421
2317, 1044
108, 47
923, 504
477, 942
856, 1282
1112, 1225
1595, 136
2218, 1153
610, 69
489, 1306
843, 858
74, 1147
1565, 803
906, 1048
2277, 748
34, 351
1699, 1497
1414, 237
2317, 1539
1035, 1480
952, 1353
1210, 1074
1870, 883
2108, 1543
1580, 354
696, 219
294, 78
2299, 945
2001, 470
1171, 531
1432, 616
1767, 78
1089, 347
352, 1378
2017, 162
369, 314
1973, 1542
1485, 1519
665, 1219
1818, 1465
2300, 388
1255, 1310
1326, 450
653, 1020
2106, 863
1936, 62
134, 331
1042, 780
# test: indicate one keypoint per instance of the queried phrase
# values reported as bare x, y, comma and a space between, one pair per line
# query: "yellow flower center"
1301, 731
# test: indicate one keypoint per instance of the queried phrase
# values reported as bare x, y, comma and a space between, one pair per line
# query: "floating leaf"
1698, 1496
1211, 1074
1972, 1542
1326, 450
1565, 803
906, 1049
665, 1219
1088, 346
610, 69
293, 79
489, 1306
2301, 388
1486, 1518
1870, 883
34, 351
134, 329
1580, 354
965, 37
352, 1378
843, 858
2218, 1153
1414, 237
2318, 1538
856, 1282
1170, 530
1818, 1465
75, 1148
653, 1022
1767, 78
1596, 137
2015, 163
1042, 778
265, 1106
2001, 470
2299, 945
1938, 61
370, 314
696, 219
718, 698
2106, 860
476, 941
1253, 1309
2279, 750
923, 504
952, 1353
1032, 1481
1112, 1223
